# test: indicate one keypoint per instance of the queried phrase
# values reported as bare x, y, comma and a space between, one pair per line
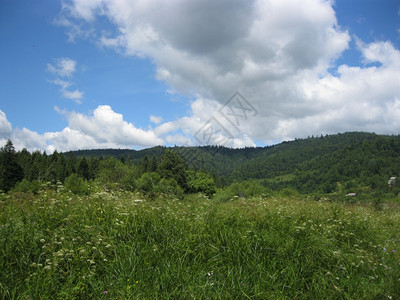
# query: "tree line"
325, 164
25, 171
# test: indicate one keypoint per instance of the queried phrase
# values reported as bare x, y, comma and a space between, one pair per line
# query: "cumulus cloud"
276, 53
63, 67
5, 126
104, 128
63, 70
156, 119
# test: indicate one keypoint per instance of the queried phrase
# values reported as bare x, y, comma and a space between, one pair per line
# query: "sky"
132, 74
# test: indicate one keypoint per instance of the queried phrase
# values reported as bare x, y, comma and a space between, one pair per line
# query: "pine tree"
153, 164
144, 165
25, 161
83, 168
10, 171
61, 168
173, 166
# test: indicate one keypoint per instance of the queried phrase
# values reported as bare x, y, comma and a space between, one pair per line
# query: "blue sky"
133, 74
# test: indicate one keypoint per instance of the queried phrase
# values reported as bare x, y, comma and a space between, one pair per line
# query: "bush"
224, 194
147, 182
243, 190
199, 182
76, 185
169, 186
289, 192
26, 186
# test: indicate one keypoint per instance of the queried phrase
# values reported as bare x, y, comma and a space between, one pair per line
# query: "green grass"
113, 246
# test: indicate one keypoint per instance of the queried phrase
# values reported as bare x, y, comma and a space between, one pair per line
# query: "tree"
60, 168
70, 167
144, 164
83, 168
10, 171
25, 161
93, 167
173, 166
200, 182
76, 185
153, 164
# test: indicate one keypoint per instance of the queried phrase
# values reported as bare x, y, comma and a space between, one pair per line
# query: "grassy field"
121, 246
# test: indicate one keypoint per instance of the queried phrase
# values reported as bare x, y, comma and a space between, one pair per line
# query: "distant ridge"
313, 156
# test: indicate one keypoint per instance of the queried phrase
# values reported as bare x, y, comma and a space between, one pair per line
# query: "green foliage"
76, 185
334, 165
10, 171
26, 186
173, 166
200, 182
147, 183
153, 164
83, 168
244, 190
144, 165
169, 186
113, 173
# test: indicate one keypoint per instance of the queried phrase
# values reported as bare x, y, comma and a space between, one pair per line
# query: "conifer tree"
173, 166
83, 168
144, 165
10, 171
153, 164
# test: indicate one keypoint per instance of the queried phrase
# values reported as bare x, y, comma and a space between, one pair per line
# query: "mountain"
351, 159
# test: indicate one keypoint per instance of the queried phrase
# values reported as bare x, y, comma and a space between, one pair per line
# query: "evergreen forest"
354, 162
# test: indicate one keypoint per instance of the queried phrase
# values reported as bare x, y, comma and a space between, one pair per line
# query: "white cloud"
75, 95
65, 68
156, 119
5, 126
276, 53
102, 129
31, 140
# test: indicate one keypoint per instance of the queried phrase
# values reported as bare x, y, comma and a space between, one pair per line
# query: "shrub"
76, 185
26, 186
199, 182
148, 182
243, 189
23, 186
169, 186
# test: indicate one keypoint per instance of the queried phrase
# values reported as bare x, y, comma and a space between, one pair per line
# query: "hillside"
316, 163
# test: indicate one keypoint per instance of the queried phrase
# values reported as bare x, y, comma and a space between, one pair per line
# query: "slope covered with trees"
325, 164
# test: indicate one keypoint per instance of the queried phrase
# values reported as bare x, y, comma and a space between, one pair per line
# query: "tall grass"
121, 246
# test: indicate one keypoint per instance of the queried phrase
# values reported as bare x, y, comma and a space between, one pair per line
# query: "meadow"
121, 245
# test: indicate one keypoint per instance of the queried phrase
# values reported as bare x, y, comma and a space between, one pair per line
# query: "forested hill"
340, 162
303, 162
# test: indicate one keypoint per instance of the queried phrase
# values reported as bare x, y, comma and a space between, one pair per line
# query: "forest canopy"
326, 164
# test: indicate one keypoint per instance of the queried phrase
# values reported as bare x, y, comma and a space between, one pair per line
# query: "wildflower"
42, 240
393, 251
105, 292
